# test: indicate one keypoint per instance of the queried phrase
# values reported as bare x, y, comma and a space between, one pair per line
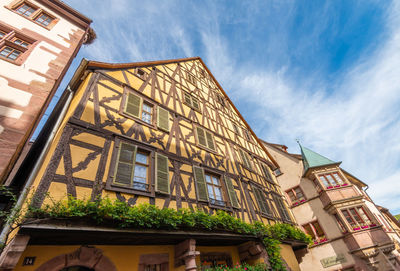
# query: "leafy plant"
145, 216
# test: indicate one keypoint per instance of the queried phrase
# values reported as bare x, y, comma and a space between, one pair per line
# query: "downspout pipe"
39, 161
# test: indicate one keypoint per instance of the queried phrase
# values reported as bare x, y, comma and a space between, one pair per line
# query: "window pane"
215, 180
318, 229
2, 34
25, 10
356, 216
309, 231
218, 194
338, 178
208, 179
140, 171
141, 158
291, 196
14, 55
210, 191
324, 181
348, 217
330, 179
364, 215
299, 193
6, 51
44, 19
21, 42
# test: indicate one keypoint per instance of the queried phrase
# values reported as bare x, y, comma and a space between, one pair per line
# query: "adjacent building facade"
349, 231
38, 40
163, 133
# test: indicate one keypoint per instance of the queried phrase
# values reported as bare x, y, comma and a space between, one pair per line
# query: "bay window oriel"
332, 180
357, 218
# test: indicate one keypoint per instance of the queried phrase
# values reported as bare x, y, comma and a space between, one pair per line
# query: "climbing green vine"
145, 216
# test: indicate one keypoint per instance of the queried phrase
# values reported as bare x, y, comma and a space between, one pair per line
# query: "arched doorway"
76, 268
83, 259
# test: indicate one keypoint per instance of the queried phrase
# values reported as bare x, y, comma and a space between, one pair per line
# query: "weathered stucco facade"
38, 40
330, 204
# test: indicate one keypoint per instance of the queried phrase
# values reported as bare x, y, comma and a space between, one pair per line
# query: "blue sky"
324, 72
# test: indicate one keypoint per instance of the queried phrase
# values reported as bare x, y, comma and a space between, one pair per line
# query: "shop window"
357, 218
315, 231
296, 195
215, 260
332, 180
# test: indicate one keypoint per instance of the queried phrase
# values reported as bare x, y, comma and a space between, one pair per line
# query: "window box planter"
356, 229
345, 184
303, 200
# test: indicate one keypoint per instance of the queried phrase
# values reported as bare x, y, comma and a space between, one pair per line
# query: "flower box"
365, 227
303, 200
329, 187
356, 229
345, 184
296, 203
372, 225
337, 185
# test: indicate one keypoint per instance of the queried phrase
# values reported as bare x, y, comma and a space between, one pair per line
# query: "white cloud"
354, 117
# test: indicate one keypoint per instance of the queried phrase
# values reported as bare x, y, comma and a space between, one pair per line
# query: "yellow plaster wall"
288, 255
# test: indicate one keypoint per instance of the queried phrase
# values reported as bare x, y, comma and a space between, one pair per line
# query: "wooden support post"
13, 251
250, 251
185, 254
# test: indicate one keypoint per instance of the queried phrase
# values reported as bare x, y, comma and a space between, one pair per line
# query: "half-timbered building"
163, 133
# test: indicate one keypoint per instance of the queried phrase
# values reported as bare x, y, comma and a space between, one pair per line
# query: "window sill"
297, 203
138, 120
128, 190
336, 186
320, 242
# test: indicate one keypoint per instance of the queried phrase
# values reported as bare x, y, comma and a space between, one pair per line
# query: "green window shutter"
245, 158
266, 172
132, 106
162, 174
281, 208
195, 103
125, 164
187, 99
210, 140
231, 192
201, 137
163, 119
200, 184
261, 200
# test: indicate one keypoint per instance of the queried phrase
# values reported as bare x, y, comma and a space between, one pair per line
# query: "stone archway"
85, 256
